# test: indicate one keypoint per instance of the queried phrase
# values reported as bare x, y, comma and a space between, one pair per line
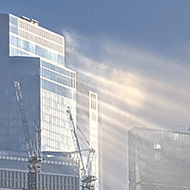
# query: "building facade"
58, 173
94, 133
36, 57
158, 159
89, 123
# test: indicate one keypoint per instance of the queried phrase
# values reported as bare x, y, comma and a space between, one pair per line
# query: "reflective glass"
16, 52
13, 24
55, 123
57, 69
35, 49
13, 20
14, 41
32, 48
55, 77
56, 88
14, 29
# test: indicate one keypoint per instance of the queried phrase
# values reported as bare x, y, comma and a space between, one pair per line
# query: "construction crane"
87, 179
34, 157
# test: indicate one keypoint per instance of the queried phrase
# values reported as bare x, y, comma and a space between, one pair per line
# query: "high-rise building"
88, 121
36, 57
158, 159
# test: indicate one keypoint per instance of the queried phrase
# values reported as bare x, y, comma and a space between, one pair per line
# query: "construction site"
49, 134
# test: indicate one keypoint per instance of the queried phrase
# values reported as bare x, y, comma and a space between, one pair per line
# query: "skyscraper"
158, 159
89, 123
36, 57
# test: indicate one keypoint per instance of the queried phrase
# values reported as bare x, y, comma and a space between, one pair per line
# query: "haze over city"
134, 54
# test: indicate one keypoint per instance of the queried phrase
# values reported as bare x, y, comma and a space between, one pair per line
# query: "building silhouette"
158, 159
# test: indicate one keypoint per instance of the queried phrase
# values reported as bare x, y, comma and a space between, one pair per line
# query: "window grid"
19, 180
43, 42
41, 32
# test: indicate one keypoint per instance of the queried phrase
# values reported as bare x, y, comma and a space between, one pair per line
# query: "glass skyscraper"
88, 121
158, 159
48, 94
36, 57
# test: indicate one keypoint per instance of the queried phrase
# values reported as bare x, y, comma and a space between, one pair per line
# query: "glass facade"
56, 133
37, 59
57, 83
36, 41
93, 133
30, 49
88, 121
14, 174
19, 180
13, 24
158, 159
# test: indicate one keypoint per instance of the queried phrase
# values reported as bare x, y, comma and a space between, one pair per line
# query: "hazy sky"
135, 52
156, 25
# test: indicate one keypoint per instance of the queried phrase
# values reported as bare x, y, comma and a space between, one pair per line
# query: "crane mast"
87, 179
34, 158
76, 141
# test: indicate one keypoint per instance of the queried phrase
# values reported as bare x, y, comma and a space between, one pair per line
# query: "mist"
137, 88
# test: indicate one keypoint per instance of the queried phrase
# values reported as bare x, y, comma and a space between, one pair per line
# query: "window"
56, 88
157, 146
57, 69
93, 101
55, 77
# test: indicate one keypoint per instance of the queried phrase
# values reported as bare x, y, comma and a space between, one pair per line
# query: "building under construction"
37, 58
158, 159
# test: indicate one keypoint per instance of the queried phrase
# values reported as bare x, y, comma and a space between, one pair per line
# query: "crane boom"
30, 148
77, 145
34, 159
87, 178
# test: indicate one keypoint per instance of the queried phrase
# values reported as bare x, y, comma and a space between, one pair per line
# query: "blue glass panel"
14, 29
42, 52
13, 20
61, 59
26, 45
56, 77
16, 52
14, 41
32, 48
13, 24
56, 88
49, 55
57, 69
